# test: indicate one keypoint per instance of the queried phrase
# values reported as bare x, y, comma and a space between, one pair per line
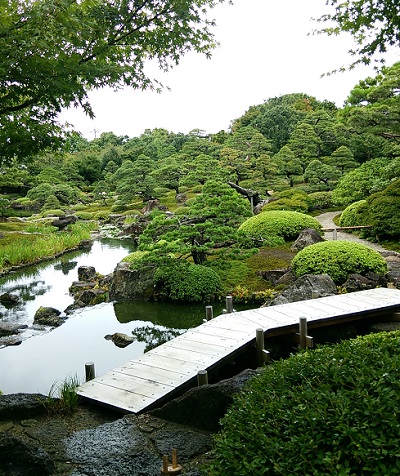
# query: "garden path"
326, 220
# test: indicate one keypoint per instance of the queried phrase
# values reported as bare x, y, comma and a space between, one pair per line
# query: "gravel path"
326, 220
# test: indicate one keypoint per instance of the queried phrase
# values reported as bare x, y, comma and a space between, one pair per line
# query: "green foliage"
187, 282
349, 216
291, 200
332, 411
51, 203
382, 211
56, 212
362, 182
63, 397
66, 48
84, 215
272, 228
135, 257
338, 259
320, 200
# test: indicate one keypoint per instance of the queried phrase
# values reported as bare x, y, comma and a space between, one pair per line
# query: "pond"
48, 356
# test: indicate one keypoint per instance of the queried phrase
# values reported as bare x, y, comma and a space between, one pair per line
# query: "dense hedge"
350, 217
382, 211
186, 282
338, 259
290, 200
275, 227
333, 410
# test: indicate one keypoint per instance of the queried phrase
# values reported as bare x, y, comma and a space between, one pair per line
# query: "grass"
63, 397
19, 249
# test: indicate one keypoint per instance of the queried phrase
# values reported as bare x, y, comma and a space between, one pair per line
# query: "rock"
9, 299
356, 282
48, 316
181, 198
18, 457
287, 279
306, 238
8, 341
273, 275
93, 296
202, 407
128, 284
303, 289
63, 221
21, 405
86, 273
132, 446
119, 339
77, 287
8, 329
150, 206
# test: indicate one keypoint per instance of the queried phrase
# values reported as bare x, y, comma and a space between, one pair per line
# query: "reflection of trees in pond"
169, 315
154, 336
66, 266
28, 292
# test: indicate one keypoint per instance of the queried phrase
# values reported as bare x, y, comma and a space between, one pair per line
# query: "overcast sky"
265, 51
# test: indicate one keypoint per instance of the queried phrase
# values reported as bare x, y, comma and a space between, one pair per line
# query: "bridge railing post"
304, 339
263, 356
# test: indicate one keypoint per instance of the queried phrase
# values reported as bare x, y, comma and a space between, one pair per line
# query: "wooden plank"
114, 397
139, 386
146, 372
209, 339
188, 356
154, 360
201, 348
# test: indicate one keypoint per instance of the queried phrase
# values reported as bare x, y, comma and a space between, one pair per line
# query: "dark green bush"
291, 200
382, 212
329, 411
184, 281
320, 200
275, 227
338, 259
350, 217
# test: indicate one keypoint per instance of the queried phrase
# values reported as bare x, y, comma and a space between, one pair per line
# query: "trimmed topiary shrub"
333, 410
349, 216
320, 200
291, 199
382, 211
338, 259
84, 215
187, 282
275, 227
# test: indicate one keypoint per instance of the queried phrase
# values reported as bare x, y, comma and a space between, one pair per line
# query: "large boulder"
305, 287
307, 237
203, 407
62, 222
48, 316
87, 273
132, 284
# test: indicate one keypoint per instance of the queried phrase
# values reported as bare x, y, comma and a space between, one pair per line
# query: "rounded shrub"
84, 215
320, 200
187, 282
333, 410
349, 217
338, 259
275, 227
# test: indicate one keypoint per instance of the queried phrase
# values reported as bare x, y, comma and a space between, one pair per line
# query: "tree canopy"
375, 26
55, 51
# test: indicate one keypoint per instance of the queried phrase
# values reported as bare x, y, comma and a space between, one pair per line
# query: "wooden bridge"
168, 370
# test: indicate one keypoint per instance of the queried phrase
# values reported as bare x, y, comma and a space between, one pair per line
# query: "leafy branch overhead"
58, 50
375, 26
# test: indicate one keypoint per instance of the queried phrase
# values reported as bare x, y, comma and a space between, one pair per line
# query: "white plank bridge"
168, 370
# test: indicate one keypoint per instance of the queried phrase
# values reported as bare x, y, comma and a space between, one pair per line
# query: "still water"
49, 356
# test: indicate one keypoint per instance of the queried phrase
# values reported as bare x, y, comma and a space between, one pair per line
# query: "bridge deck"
167, 370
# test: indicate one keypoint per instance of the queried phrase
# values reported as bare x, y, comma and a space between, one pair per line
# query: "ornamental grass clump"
333, 410
273, 228
339, 259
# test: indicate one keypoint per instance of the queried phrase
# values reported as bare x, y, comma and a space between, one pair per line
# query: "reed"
26, 249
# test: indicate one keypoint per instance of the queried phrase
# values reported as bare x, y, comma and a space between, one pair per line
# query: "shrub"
382, 212
56, 211
84, 215
333, 410
187, 282
291, 200
349, 216
135, 257
275, 227
338, 259
320, 200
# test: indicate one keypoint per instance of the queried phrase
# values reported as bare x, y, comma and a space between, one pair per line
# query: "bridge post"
89, 371
209, 313
263, 356
229, 304
334, 234
202, 377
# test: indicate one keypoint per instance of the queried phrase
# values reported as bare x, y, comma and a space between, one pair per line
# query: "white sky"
265, 51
